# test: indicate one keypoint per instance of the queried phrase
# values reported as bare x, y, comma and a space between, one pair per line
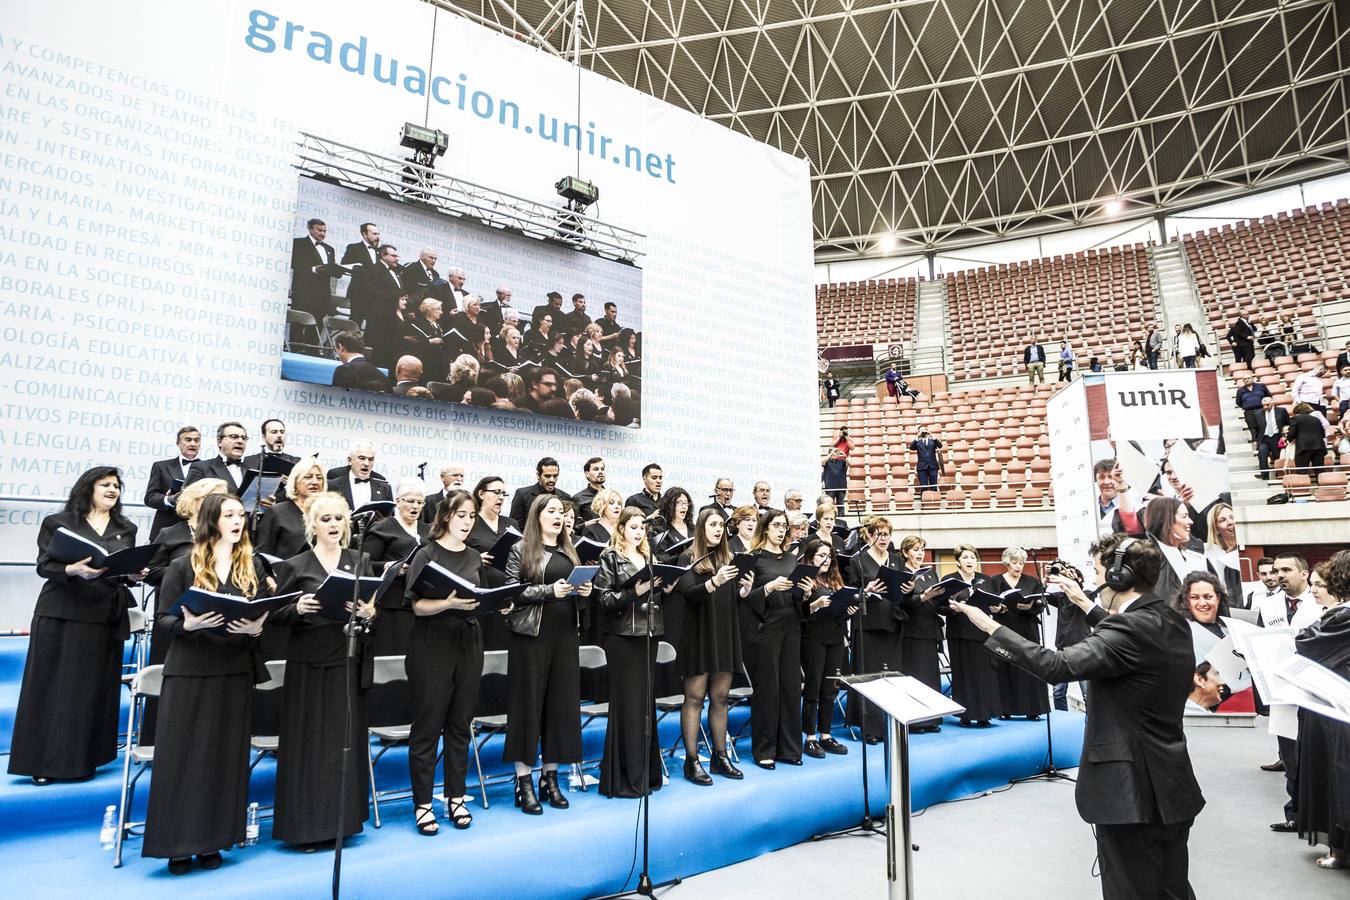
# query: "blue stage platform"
49, 836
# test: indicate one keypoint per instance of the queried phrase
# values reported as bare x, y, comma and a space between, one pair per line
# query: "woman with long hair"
319, 685
1221, 547
65, 726
974, 678
1188, 346
772, 617
545, 684
445, 664
676, 510
822, 651
921, 637
877, 644
199, 792
710, 645
632, 620
281, 530
1167, 521
387, 543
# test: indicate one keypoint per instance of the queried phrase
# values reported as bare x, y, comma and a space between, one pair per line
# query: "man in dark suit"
358, 482
356, 371
494, 313
163, 473
926, 447
420, 273
1343, 358
311, 275
723, 491
546, 473
231, 441
374, 294
594, 470
1272, 422
576, 321
649, 498
452, 479
1242, 336
364, 252
274, 439
552, 307
407, 375
1135, 782
1033, 357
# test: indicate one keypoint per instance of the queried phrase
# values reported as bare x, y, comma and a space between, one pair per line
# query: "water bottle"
251, 826
574, 781
107, 835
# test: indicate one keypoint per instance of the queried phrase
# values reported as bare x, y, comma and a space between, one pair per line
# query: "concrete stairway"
1177, 296
930, 349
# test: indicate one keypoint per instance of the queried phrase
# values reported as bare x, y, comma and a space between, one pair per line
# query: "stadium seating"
865, 312
1097, 299
1272, 265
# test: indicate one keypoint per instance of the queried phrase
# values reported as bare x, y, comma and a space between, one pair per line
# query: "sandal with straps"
459, 813
426, 819
1330, 862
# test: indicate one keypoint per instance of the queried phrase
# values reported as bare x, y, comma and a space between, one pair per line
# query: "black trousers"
1289, 756
1308, 461
1256, 421
837, 496
928, 478
1244, 352
1267, 449
776, 673
1145, 861
444, 669
820, 663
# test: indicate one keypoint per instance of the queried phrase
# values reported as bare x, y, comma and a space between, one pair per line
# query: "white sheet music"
907, 699
1318, 680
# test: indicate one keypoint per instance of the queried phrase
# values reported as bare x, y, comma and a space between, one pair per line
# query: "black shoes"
1276, 766
526, 801
180, 865
766, 764
693, 771
210, 860
791, 762
830, 745
1284, 827
721, 765
549, 790
814, 750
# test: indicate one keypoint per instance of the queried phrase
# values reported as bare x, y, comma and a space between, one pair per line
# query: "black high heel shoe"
548, 788
693, 771
526, 801
425, 819
721, 765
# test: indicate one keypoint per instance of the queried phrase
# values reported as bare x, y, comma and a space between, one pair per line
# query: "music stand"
905, 700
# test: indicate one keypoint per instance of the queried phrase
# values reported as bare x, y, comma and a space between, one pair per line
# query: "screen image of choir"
413, 331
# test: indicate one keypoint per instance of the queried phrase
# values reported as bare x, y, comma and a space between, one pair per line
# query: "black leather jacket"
528, 615
623, 612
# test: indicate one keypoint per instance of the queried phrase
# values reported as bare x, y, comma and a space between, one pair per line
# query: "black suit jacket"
1135, 767
162, 475
1241, 332
1307, 433
211, 468
1026, 353
339, 480
1281, 420
360, 373
310, 291
373, 294
726, 511
524, 497
359, 252
414, 276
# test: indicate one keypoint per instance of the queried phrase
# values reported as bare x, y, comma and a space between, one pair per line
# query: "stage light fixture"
426, 143
578, 194
1114, 206
887, 243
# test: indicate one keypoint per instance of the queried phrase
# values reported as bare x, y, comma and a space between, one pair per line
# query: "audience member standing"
1153, 343
928, 449
1188, 346
1308, 388
1065, 361
1249, 398
1242, 335
834, 476
1033, 357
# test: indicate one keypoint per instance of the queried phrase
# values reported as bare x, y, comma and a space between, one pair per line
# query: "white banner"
1153, 405
1071, 474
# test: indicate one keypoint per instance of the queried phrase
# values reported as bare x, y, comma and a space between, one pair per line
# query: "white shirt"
318, 248
1306, 612
1307, 389
360, 492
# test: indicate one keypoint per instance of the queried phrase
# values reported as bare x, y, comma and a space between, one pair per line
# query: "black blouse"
314, 639
281, 530
206, 652
388, 542
879, 613
73, 598
779, 604
466, 563
175, 542
820, 626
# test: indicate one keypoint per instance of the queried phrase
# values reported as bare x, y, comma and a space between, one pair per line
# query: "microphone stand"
354, 628
1050, 773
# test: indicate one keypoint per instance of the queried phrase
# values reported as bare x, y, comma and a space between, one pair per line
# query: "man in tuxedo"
649, 498
576, 321
546, 475
1242, 336
1033, 357
452, 479
552, 306
421, 273
407, 375
358, 482
1135, 786
493, 314
723, 491
274, 439
159, 493
374, 294
311, 281
594, 470
231, 441
927, 447
356, 371
1272, 422
364, 252
456, 292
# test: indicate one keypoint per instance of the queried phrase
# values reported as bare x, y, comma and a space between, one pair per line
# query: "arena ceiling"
935, 125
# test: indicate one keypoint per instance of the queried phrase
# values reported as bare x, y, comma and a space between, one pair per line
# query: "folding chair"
266, 744
739, 696
388, 670
665, 654
139, 624
494, 663
299, 321
147, 683
589, 656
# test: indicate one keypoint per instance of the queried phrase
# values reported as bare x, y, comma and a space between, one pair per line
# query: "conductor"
1135, 783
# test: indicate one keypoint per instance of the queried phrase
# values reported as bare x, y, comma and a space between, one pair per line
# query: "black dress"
1323, 815
281, 531
632, 747
711, 638
774, 623
544, 687
1020, 693
974, 678
669, 677
492, 688
595, 682
445, 664
878, 649
822, 663
175, 543
921, 639
66, 722
314, 715
199, 787
387, 542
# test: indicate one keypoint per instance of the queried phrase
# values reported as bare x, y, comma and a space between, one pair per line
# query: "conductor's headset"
1119, 576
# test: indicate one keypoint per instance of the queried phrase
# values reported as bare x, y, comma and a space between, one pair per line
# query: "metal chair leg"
123, 810
579, 776
478, 764
374, 794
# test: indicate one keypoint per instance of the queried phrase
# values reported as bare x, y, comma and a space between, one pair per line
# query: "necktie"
361, 480
1270, 423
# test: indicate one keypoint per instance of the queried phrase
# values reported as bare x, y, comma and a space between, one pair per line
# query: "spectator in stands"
1340, 391
1308, 388
1138, 358
892, 383
1343, 358
1242, 336
1153, 343
1342, 436
831, 390
1065, 361
1033, 357
1188, 346
834, 476
1308, 434
1249, 398
1272, 424
929, 451
1176, 346
842, 442
1094, 363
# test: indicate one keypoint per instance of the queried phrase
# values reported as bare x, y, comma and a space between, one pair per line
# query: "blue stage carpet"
49, 836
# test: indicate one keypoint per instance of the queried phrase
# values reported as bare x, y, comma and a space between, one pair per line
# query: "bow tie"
234, 462
186, 462
361, 480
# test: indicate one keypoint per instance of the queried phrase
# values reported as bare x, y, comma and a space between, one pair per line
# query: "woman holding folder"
387, 543
65, 726
921, 638
445, 662
489, 527
822, 650
710, 644
545, 682
631, 616
281, 530
772, 616
199, 792
878, 645
974, 677
318, 681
